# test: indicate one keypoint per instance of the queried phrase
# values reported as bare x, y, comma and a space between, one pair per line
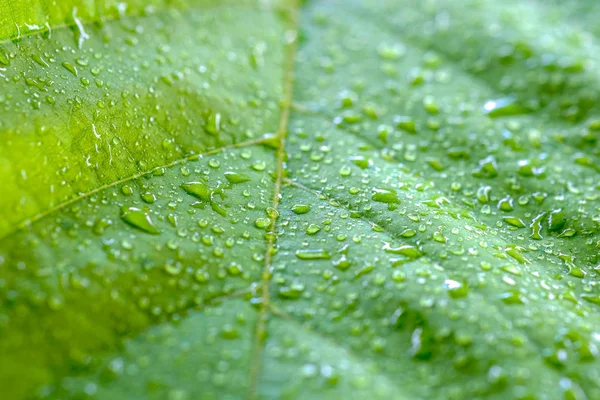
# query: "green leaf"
272, 200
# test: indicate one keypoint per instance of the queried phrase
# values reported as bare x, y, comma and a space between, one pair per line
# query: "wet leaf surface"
271, 200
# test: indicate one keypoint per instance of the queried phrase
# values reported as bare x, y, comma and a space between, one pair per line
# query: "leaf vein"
260, 331
37, 217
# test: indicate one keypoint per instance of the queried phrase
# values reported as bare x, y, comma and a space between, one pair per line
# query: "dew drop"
235, 177
301, 208
198, 189
504, 107
456, 289
388, 196
138, 219
313, 254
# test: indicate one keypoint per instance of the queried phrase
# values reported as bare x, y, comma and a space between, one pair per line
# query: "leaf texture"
272, 200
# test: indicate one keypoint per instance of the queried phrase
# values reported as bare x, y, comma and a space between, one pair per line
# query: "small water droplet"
301, 208
504, 107
456, 289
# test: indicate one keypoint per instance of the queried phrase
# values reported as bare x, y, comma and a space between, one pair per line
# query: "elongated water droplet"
313, 229
70, 67
198, 189
388, 196
591, 298
301, 208
235, 177
138, 219
511, 269
292, 291
262, 223
512, 297
556, 220
405, 250
514, 221
313, 254
536, 227
213, 124
504, 107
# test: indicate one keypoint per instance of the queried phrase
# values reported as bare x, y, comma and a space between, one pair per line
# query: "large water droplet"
388, 196
139, 219
235, 177
198, 189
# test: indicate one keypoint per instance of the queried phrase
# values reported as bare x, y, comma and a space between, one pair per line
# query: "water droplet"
439, 237
456, 289
536, 226
514, 221
408, 233
313, 229
391, 51
229, 331
139, 219
361, 161
345, 171
405, 250
405, 123
342, 264
511, 269
512, 297
198, 189
506, 204
201, 276
488, 168
262, 223
592, 298
504, 107
148, 197
313, 254
70, 67
556, 220
213, 124
235, 177
301, 208
388, 196
292, 291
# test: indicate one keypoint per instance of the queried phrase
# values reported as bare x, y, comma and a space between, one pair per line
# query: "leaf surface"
320, 200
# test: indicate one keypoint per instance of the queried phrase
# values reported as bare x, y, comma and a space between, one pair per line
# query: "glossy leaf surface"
271, 200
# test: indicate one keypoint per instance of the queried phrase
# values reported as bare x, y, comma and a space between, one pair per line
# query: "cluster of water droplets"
435, 233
